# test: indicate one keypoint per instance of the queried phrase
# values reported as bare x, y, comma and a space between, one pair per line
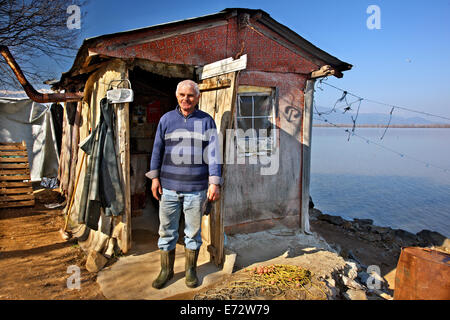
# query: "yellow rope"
273, 280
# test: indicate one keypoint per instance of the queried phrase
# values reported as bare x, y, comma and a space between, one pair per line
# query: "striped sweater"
185, 153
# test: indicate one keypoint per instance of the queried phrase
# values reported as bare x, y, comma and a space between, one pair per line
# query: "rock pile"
385, 237
358, 281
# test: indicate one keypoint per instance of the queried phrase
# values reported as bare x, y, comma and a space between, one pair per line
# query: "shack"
253, 72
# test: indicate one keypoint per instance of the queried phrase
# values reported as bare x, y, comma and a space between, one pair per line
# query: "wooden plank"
16, 190
14, 171
208, 84
25, 203
16, 197
14, 165
12, 147
11, 160
219, 104
6, 184
325, 71
15, 177
13, 153
222, 67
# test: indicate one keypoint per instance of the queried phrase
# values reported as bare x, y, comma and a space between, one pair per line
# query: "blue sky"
405, 63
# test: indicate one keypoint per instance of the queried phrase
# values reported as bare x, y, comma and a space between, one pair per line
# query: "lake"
359, 179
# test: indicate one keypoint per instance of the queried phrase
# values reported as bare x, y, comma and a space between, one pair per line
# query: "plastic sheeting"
24, 119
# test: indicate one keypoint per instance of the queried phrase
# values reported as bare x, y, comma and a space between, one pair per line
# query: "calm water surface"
358, 179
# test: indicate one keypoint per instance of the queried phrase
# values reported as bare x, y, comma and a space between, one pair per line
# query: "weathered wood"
12, 177
12, 147
16, 197
74, 151
15, 177
5, 184
325, 71
209, 84
14, 171
221, 67
16, 159
25, 203
13, 153
23, 165
219, 104
16, 190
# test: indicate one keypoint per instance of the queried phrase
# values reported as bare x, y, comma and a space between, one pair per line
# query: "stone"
362, 277
95, 261
336, 220
389, 236
372, 237
351, 283
351, 270
405, 238
347, 225
363, 221
380, 230
431, 238
355, 294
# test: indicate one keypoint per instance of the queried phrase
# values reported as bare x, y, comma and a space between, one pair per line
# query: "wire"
403, 155
390, 118
382, 103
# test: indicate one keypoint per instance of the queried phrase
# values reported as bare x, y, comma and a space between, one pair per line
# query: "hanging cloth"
102, 188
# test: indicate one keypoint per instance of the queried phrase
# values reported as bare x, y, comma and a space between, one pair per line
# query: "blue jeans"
170, 207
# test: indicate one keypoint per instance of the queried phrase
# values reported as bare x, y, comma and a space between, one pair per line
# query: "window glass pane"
244, 123
263, 123
245, 106
263, 106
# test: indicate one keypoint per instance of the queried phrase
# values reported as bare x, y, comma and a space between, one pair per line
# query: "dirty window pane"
263, 105
244, 123
245, 106
262, 124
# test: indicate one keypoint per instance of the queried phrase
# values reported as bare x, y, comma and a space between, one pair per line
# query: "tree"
37, 31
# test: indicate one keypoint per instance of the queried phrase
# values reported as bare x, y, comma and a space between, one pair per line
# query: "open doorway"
154, 95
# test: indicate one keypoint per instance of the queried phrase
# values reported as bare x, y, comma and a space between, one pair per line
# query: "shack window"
255, 120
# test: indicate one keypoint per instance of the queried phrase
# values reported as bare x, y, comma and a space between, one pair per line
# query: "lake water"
358, 179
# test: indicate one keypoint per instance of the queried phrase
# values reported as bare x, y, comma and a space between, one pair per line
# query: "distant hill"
372, 119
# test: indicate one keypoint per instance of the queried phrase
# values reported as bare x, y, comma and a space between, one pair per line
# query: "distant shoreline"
383, 125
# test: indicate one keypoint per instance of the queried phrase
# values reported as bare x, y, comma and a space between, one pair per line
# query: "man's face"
187, 99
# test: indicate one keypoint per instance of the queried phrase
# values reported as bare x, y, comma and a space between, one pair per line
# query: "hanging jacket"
102, 188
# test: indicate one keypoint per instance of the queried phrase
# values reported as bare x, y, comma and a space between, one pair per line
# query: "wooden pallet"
15, 180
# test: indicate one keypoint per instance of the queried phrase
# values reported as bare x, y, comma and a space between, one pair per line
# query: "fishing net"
268, 281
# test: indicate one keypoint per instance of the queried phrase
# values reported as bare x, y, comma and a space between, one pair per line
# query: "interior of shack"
154, 95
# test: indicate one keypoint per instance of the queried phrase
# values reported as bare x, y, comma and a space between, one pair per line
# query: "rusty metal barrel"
422, 274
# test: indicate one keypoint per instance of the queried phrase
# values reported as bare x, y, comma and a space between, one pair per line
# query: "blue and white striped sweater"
185, 153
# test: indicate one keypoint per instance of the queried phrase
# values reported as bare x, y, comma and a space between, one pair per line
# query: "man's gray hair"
189, 83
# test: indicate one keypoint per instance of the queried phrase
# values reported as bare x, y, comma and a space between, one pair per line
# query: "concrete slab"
132, 275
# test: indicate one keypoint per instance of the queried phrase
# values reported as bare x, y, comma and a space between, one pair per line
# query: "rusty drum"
422, 274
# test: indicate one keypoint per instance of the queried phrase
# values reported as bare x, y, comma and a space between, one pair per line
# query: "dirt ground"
34, 259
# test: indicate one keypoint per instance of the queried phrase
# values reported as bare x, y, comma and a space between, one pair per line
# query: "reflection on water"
356, 179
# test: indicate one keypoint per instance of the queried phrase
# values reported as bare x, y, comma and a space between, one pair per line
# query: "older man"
185, 173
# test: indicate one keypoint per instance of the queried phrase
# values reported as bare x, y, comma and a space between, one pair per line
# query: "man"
182, 179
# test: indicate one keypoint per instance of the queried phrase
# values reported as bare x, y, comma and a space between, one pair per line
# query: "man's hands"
213, 192
156, 188
212, 195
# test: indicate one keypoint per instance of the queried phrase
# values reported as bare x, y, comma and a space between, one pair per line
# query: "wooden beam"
221, 67
210, 84
326, 71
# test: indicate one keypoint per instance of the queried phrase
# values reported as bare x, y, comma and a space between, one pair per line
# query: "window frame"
241, 145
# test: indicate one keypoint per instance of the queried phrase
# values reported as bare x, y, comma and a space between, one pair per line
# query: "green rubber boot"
166, 273
191, 267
